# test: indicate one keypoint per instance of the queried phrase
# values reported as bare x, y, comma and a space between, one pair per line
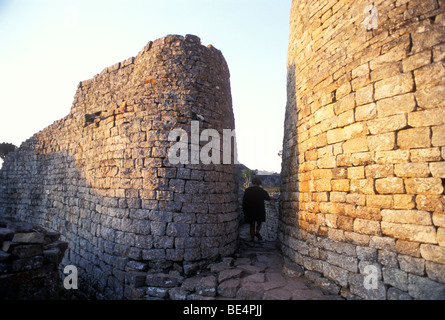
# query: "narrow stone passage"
257, 271
264, 275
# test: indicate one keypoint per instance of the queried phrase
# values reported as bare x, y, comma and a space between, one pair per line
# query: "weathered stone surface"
394, 85
407, 216
106, 177
229, 288
425, 234
425, 186
250, 291
31, 237
433, 253
163, 280
425, 289
26, 251
391, 148
207, 286
229, 274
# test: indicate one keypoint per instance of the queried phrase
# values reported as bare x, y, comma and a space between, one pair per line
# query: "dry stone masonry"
101, 176
29, 261
363, 204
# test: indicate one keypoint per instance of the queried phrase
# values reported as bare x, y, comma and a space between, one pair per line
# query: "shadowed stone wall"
363, 157
102, 178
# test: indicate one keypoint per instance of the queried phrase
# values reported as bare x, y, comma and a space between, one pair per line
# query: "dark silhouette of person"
253, 207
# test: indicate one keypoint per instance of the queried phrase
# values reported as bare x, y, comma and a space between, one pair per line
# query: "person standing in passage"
253, 207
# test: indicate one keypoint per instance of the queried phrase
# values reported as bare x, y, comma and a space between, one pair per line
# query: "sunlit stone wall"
363, 164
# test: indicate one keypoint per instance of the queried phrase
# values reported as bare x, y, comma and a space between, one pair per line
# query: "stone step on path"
257, 272
262, 276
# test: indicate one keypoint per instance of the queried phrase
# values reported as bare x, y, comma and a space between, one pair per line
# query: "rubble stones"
101, 176
264, 275
29, 268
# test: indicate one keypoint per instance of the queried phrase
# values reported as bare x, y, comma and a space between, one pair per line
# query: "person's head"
256, 181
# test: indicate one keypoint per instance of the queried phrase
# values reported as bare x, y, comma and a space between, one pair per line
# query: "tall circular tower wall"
106, 178
363, 163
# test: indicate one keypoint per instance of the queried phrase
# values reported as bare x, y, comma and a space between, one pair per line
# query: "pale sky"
48, 46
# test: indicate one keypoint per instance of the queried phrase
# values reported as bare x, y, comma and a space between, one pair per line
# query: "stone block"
392, 156
414, 138
424, 79
379, 201
387, 124
438, 138
229, 288
438, 169
412, 170
380, 142
363, 186
407, 248
396, 278
364, 95
404, 201
396, 294
417, 60
29, 237
425, 289
434, 203
407, 217
433, 253
335, 135
395, 54
393, 86
366, 112
390, 185
162, 280
396, 105
425, 155
345, 118
360, 71
367, 227
439, 219
356, 172
435, 271
411, 232
429, 117
27, 251
424, 186
355, 145
324, 113
345, 104
387, 70
429, 98
356, 130
378, 171
357, 286
337, 273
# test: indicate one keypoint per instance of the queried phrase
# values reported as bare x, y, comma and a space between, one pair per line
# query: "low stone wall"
29, 261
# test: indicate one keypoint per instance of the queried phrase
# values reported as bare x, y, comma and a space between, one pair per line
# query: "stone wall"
363, 163
29, 262
269, 229
101, 176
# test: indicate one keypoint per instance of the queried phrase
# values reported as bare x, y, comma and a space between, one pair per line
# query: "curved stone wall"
363, 162
102, 175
